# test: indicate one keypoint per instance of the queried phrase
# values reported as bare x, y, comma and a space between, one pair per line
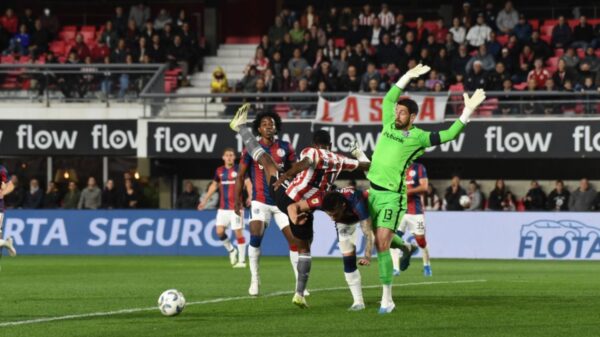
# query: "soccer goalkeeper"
399, 144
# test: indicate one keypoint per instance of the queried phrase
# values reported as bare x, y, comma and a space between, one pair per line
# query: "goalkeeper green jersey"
397, 149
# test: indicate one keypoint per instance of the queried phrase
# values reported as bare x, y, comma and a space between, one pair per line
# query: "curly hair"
266, 114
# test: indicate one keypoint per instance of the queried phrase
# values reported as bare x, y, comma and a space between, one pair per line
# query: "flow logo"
564, 239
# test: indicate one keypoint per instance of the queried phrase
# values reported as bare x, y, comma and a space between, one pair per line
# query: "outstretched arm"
388, 106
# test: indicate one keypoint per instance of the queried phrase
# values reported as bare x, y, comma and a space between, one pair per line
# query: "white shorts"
227, 217
347, 235
413, 223
263, 212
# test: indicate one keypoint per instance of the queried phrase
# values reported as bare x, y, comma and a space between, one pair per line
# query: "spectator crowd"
342, 50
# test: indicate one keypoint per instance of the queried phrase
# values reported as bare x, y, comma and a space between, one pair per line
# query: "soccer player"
267, 125
348, 208
316, 171
398, 146
414, 221
6, 186
224, 180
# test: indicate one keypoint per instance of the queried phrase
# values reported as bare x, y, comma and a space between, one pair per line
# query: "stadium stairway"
233, 58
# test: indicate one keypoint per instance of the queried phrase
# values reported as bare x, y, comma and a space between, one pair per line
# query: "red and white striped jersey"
325, 166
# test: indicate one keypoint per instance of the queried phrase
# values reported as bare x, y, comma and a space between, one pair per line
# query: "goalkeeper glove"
471, 104
415, 72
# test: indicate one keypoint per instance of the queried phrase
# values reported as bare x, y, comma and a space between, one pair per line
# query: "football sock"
395, 258
384, 262
241, 245
386, 296
304, 264
250, 142
253, 258
354, 283
226, 243
398, 242
2, 242
425, 252
294, 261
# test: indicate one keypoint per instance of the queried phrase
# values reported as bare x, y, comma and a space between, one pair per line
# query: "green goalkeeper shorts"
385, 208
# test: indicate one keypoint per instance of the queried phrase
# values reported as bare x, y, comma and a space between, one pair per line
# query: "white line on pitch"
215, 300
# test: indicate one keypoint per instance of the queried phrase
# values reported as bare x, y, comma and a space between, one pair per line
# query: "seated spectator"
125, 79
496, 78
460, 60
583, 34
156, 51
475, 197
453, 194
248, 82
139, 14
16, 198
109, 36
319, 58
287, 83
497, 198
277, 31
266, 45
493, 46
344, 20
297, 33
431, 201
302, 106
390, 77
373, 87
432, 48
270, 82
71, 198
141, 51
439, 32
9, 21
326, 75
458, 31
596, 40
131, 197
529, 106
350, 82
119, 21
509, 60
366, 17
562, 74
571, 59
34, 197
80, 48
479, 33
119, 54
297, 64
88, 79
386, 17
538, 74
582, 199
434, 78
591, 59
523, 29
507, 18
441, 63
19, 44
539, 47
219, 83
504, 107
167, 37
527, 56
550, 108
476, 78
421, 33
91, 196
52, 196
355, 34
110, 196
162, 19
178, 55
371, 73
309, 18
561, 34
510, 202
584, 72
558, 199
189, 197
375, 33
131, 35
535, 199
359, 59
487, 61
340, 65
260, 61
490, 16
387, 52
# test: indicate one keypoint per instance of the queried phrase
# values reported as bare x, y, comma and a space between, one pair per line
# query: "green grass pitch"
463, 298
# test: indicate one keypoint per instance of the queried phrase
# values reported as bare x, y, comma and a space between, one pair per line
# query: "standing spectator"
9, 21
561, 34
91, 196
359, 59
375, 33
182, 18
189, 197
71, 198
439, 32
110, 196
496, 201
20, 42
119, 21
399, 29
277, 31
50, 23
132, 35
496, 78
16, 198
344, 21
453, 194
355, 34
558, 199
366, 17
458, 31
460, 59
140, 14
131, 196
466, 15
109, 36
162, 19
327, 76
523, 29
34, 197
431, 201
539, 47
80, 48
178, 56
505, 107
28, 20
297, 33
583, 34
52, 196
211, 203
480, 33
39, 40
260, 61
297, 64
510, 202
476, 78
539, 74
490, 16
156, 52
596, 40
507, 18
387, 52
421, 33
386, 17
475, 197
340, 66
582, 199
535, 199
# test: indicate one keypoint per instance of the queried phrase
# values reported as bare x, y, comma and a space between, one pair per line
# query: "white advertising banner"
365, 110
494, 235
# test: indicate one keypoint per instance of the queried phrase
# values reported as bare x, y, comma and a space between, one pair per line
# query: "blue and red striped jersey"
358, 201
225, 177
284, 156
414, 173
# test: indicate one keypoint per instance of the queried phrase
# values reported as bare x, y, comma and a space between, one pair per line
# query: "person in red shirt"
80, 48
9, 21
539, 74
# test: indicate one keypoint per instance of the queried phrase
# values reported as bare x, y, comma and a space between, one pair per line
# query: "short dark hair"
228, 149
411, 105
321, 137
332, 201
266, 114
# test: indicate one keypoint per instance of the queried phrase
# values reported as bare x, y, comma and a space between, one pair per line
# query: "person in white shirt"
458, 31
386, 17
507, 18
480, 33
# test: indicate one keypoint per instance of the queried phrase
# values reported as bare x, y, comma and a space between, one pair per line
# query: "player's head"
336, 206
406, 112
322, 139
267, 124
229, 156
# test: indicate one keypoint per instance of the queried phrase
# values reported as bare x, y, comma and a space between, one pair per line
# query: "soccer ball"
464, 201
171, 302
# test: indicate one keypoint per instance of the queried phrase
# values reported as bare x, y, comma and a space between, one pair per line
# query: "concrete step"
197, 108
213, 60
230, 76
238, 46
189, 114
235, 53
